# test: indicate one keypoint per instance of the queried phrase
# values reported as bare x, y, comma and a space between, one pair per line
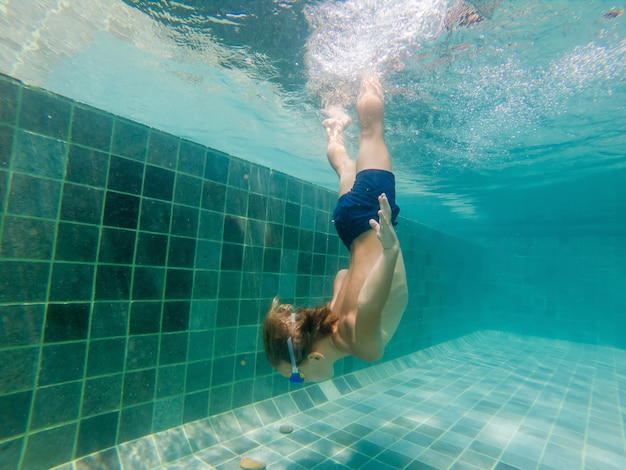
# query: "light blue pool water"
163, 176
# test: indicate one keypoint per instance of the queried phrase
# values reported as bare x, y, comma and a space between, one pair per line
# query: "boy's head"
290, 338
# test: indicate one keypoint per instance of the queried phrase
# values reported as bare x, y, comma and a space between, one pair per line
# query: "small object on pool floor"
250, 464
285, 428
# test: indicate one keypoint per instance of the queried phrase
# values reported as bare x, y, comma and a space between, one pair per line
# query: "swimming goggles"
296, 376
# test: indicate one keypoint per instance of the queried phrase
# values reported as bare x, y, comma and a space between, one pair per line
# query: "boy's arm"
375, 290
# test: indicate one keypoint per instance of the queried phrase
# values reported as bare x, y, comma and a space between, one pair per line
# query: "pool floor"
487, 401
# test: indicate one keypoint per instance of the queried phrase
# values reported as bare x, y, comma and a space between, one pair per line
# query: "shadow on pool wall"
136, 269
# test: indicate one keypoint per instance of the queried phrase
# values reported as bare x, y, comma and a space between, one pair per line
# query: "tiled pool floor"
486, 401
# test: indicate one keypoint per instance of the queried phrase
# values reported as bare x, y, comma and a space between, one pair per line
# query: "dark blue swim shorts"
355, 208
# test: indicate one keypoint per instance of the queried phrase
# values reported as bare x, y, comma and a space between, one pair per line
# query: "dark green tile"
253, 259
236, 201
9, 95
184, 221
234, 229
230, 285
71, 282
109, 319
188, 190
145, 318
220, 399
276, 211
227, 313
66, 322
55, 405
12, 451
292, 214
151, 249
142, 352
294, 191
82, 204
309, 195
200, 345
170, 381
175, 316
158, 183
163, 149
113, 283
211, 226
278, 185
225, 341
216, 168
101, 394
4, 184
27, 238
271, 260
19, 369
178, 284
125, 175
198, 376
62, 362
223, 370
39, 156
87, 166
246, 339
250, 311
129, 140
239, 174
250, 285
173, 348
208, 254
23, 281
45, 113
139, 387
6, 145
155, 216
106, 356
135, 422
76, 242
191, 158
117, 246
195, 406
232, 257
306, 240
205, 284
92, 128
121, 210
148, 284
257, 206
273, 236
33, 196
259, 180
21, 325
213, 196
181, 252
97, 433
168, 414
50, 448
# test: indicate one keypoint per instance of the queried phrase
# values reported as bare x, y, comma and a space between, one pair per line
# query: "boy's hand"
384, 230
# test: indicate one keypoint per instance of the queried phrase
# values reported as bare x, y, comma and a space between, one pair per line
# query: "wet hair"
312, 324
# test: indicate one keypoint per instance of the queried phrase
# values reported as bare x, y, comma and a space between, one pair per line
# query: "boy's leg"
338, 157
373, 153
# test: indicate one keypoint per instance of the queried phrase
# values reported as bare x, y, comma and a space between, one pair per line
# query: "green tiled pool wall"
136, 268
565, 286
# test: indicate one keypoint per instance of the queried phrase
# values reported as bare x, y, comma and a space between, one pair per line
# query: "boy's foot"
369, 105
337, 121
